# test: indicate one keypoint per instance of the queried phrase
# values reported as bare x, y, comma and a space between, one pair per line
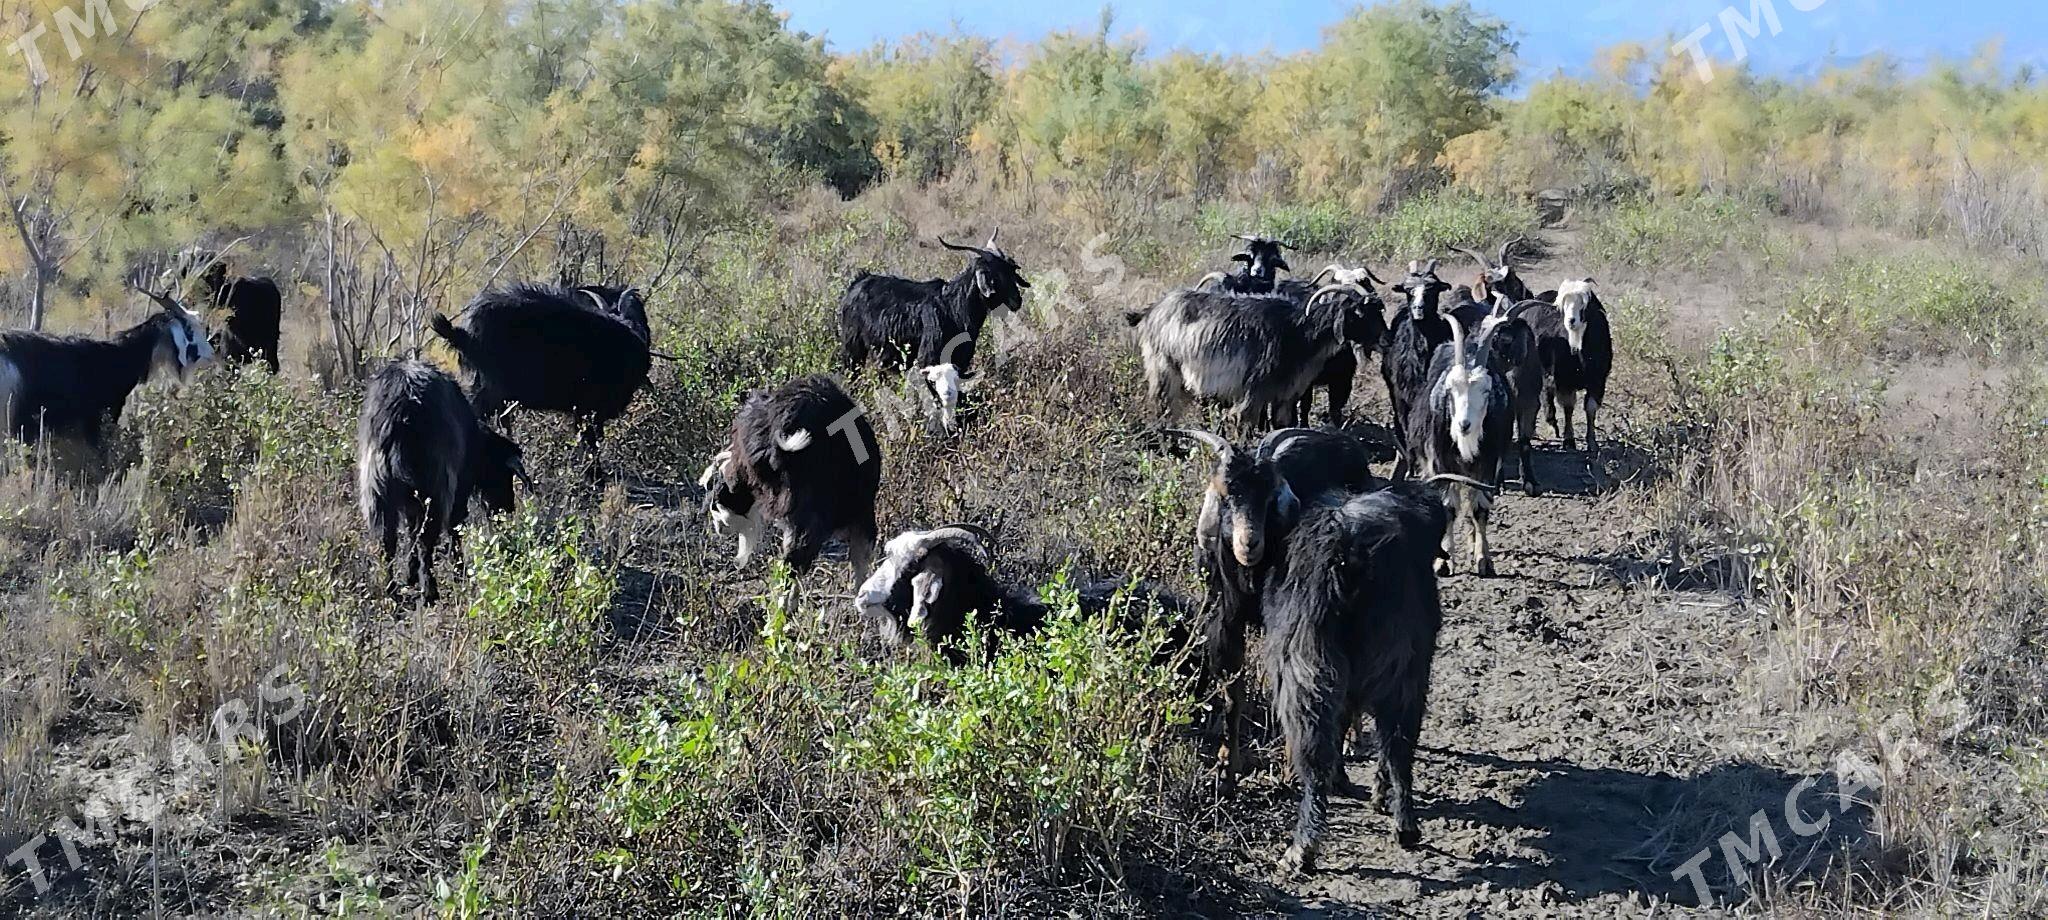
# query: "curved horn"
1212, 276
1429, 267
958, 248
1208, 440
1508, 248
164, 300
1476, 257
1457, 340
1333, 269
993, 246
983, 541
602, 307
1334, 288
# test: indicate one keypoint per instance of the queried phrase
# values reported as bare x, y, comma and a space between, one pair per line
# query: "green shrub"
1427, 225
536, 589
925, 779
202, 439
1898, 307
1690, 233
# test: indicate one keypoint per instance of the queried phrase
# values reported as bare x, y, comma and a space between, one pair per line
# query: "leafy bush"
201, 439
918, 779
1428, 225
1689, 233
1901, 307
535, 587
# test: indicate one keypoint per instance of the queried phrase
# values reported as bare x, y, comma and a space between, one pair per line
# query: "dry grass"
473, 756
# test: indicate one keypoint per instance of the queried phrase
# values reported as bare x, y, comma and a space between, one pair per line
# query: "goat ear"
983, 283
1286, 505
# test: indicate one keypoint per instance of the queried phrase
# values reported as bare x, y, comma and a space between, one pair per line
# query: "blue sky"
1553, 35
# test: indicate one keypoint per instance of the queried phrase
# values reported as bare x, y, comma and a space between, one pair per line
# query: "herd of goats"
1297, 536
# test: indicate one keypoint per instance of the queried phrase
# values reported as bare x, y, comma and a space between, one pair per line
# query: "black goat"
1577, 347
1259, 270
1460, 432
1352, 615
921, 324
1251, 501
420, 455
802, 456
929, 581
1258, 354
1517, 354
553, 349
1411, 343
73, 386
1340, 372
254, 308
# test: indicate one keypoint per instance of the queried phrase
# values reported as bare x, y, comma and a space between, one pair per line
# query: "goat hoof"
1443, 568
1486, 569
1408, 837
1350, 790
1299, 860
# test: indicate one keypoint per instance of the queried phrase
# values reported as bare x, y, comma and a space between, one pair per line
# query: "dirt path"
1586, 736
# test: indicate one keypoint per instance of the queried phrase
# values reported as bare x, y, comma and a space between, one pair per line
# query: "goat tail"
1465, 481
448, 331
1134, 317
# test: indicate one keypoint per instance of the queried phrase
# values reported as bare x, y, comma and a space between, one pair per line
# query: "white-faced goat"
804, 458
1412, 341
930, 328
73, 386
1252, 500
930, 581
553, 349
1462, 431
1352, 615
1259, 268
421, 454
1578, 349
1255, 353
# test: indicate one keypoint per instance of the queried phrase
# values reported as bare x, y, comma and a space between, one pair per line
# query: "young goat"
420, 455
803, 457
1461, 433
73, 386
1352, 615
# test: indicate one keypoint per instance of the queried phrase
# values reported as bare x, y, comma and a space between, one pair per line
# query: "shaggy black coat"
1412, 341
421, 454
903, 323
551, 349
1572, 374
1352, 617
75, 386
794, 462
